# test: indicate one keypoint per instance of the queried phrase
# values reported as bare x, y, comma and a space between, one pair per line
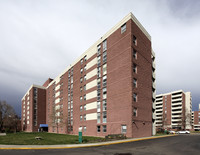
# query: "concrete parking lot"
176, 145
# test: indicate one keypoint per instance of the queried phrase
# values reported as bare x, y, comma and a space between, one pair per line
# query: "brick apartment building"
33, 108
196, 120
109, 89
174, 110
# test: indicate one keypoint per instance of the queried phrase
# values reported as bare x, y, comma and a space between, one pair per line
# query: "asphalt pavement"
173, 145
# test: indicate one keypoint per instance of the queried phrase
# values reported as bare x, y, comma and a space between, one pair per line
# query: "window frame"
104, 128
123, 28
135, 112
123, 129
135, 97
98, 128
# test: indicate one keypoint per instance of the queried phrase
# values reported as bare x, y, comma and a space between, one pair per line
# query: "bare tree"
164, 121
186, 120
8, 118
57, 118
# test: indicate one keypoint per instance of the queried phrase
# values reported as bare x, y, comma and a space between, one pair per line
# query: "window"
104, 56
81, 79
84, 117
104, 81
81, 89
104, 45
81, 98
98, 83
124, 128
72, 71
84, 87
98, 72
84, 128
85, 68
81, 108
134, 54
84, 77
85, 107
81, 117
104, 128
99, 49
134, 40
98, 94
135, 97
80, 128
98, 128
81, 70
84, 97
85, 57
104, 117
123, 28
134, 111
104, 69
81, 61
98, 118
134, 68
98, 106
98, 60
135, 83
104, 93
71, 79
104, 105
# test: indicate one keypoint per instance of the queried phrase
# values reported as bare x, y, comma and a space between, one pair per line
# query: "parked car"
172, 132
183, 132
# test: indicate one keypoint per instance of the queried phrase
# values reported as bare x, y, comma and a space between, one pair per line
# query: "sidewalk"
23, 147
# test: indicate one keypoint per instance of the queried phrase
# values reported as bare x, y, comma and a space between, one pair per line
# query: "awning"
43, 125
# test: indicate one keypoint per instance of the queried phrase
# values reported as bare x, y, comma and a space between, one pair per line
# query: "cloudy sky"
40, 38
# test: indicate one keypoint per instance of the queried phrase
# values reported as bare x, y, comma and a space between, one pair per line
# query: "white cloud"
39, 39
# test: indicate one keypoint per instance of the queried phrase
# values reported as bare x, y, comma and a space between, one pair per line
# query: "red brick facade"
172, 108
124, 101
33, 109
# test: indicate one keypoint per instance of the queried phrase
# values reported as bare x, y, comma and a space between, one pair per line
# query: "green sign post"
80, 136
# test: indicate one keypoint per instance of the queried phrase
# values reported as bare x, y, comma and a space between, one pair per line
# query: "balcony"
154, 85
158, 121
154, 95
177, 95
176, 124
159, 110
154, 65
176, 104
154, 116
176, 116
178, 107
159, 101
158, 117
154, 75
154, 105
177, 112
159, 106
176, 120
177, 100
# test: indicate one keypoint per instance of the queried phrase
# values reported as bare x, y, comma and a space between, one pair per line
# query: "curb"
39, 147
